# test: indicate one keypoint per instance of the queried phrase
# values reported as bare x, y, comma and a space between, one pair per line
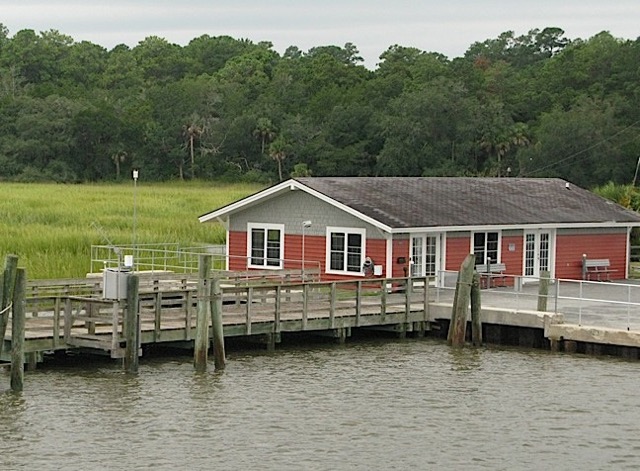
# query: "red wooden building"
421, 226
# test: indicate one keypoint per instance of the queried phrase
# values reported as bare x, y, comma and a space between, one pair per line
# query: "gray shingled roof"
405, 202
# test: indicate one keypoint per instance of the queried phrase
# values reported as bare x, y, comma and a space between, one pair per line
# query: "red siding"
457, 249
513, 260
568, 264
314, 253
237, 251
400, 250
569, 250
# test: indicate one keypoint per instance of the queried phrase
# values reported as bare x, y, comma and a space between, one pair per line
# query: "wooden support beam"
270, 341
425, 300
201, 344
68, 319
219, 359
332, 306
408, 292
18, 317
476, 309
249, 307
157, 318
383, 300
6, 295
278, 308
358, 302
132, 326
305, 306
543, 291
32, 359
458, 326
56, 323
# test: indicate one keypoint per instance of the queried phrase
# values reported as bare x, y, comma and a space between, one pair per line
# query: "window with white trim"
265, 245
345, 250
486, 245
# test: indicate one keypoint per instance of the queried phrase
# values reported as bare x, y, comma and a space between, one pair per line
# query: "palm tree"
193, 131
118, 157
501, 143
265, 131
278, 151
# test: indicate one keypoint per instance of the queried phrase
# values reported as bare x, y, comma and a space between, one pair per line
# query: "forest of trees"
533, 105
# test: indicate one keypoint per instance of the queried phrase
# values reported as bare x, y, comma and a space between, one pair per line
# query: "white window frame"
266, 227
346, 231
499, 248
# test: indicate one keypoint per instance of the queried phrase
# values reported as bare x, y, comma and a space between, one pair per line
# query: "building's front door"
537, 254
425, 255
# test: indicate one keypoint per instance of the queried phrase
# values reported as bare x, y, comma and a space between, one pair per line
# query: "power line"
526, 174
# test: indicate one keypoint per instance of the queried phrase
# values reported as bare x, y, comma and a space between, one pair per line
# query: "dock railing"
155, 257
172, 258
614, 305
62, 320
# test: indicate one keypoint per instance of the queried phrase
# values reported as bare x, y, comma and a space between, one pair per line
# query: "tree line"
533, 105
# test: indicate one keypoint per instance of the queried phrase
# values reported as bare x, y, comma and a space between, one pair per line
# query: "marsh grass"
51, 227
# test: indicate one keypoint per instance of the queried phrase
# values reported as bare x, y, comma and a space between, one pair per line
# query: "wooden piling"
132, 326
216, 320
476, 308
458, 325
543, 291
201, 344
19, 312
6, 294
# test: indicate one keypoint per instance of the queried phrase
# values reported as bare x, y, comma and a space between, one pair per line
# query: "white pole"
135, 187
305, 224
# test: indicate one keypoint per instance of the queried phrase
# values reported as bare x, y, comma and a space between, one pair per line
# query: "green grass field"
51, 227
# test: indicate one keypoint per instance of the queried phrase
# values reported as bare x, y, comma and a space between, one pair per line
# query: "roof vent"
567, 186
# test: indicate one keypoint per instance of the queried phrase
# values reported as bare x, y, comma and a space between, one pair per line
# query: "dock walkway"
71, 314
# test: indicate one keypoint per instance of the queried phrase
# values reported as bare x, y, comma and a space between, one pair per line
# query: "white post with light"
305, 225
135, 187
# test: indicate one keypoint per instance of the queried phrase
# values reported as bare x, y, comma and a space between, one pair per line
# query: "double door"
425, 255
537, 254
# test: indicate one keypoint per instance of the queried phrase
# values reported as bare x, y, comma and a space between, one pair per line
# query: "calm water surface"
414, 404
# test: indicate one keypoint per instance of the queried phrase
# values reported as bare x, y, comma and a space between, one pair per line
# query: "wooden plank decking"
59, 320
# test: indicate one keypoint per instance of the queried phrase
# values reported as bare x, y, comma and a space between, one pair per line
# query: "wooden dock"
71, 314
66, 315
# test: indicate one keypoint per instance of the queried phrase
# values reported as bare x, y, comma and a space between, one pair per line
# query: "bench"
597, 268
491, 274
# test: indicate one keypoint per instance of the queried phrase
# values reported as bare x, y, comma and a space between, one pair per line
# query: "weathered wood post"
543, 291
132, 326
6, 295
458, 325
19, 312
216, 321
201, 344
476, 308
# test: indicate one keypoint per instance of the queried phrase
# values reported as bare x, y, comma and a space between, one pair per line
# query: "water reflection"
465, 359
396, 405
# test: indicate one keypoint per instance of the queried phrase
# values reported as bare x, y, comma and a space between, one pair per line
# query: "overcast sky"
445, 26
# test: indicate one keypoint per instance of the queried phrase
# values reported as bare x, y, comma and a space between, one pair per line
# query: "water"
413, 404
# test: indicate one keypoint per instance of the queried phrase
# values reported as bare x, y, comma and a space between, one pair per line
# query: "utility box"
377, 270
114, 284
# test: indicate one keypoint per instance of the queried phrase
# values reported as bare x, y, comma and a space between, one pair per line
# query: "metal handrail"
514, 297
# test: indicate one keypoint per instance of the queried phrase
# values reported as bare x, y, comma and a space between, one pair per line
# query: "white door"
425, 255
537, 254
